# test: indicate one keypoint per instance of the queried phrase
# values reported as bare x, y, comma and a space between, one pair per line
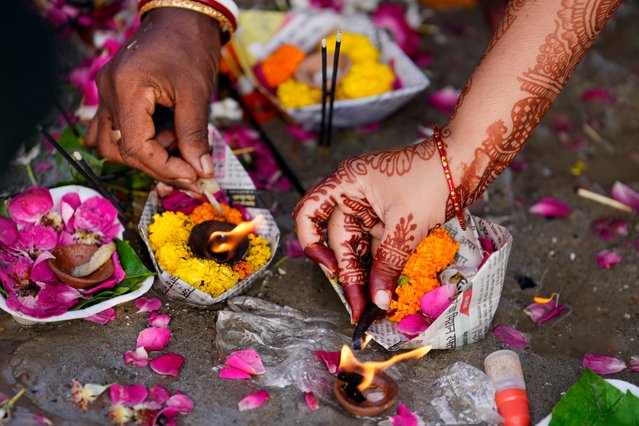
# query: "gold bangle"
225, 24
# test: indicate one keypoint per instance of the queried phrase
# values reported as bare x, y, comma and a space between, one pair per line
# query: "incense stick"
323, 122
97, 182
610, 202
338, 43
59, 106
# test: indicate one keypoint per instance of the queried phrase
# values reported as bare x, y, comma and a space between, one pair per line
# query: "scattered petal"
539, 313
9, 232
608, 259
167, 364
608, 228
148, 305
159, 320
129, 396
405, 417
181, 402
510, 336
138, 358
246, 360
300, 133
120, 414
158, 394
83, 395
633, 365
331, 359
154, 338
412, 325
601, 364
436, 301
598, 94
444, 100
550, 207
312, 401
232, 373
292, 247
104, 317
518, 165
624, 194
252, 401
392, 17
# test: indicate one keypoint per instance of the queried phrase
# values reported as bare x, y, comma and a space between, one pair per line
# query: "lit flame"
222, 242
367, 370
366, 341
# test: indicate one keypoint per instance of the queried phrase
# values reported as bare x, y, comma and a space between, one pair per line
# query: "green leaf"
3, 292
593, 401
403, 280
130, 261
69, 141
94, 162
4, 211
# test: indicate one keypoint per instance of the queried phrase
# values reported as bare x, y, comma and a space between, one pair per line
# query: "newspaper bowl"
305, 30
468, 318
240, 190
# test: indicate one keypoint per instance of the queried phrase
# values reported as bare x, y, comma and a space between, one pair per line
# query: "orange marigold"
243, 269
280, 65
431, 256
206, 211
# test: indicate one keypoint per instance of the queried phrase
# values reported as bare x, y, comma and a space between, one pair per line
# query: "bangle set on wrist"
454, 196
223, 11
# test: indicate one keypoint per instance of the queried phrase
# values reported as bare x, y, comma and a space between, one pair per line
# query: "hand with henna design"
385, 203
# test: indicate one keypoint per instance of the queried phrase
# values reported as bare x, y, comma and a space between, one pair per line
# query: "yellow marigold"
243, 269
170, 255
207, 275
259, 252
366, 79
357, 46
280, 65
431, 256
294, 94
169, 227
206, 211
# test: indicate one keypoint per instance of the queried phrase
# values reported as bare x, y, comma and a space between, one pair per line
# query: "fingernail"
184, 180
382, 299
207, 164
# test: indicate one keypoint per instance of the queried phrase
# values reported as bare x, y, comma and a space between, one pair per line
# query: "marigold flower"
258, 253
280, 65
294, 94
431, 256
206, 211
243, 269
174, 226
357, 46
366, 79
170, 254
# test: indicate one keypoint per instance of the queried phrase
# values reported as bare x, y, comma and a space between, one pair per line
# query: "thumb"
398, 242
191, 121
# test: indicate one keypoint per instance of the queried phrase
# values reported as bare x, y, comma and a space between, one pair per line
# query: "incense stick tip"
323, 43
339, 35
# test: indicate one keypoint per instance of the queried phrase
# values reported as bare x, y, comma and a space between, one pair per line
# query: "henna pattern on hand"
578, 24
395, 250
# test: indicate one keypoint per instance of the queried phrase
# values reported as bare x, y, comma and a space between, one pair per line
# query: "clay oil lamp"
82, 266
310, 70
363, 388
221, 241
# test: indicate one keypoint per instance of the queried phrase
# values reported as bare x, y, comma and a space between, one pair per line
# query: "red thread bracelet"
437, 136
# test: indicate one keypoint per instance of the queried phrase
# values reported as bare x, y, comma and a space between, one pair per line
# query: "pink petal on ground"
128, 396
300, 134
252, 401
312, 401
539, 313
154, 338
104, 317
412, 325
608, 228
550, 207
625, 194
392, 17
601, 364
607, 259
331, 359
518, 165
232, 373
444, 100
28, 206
562, 123
292, 247
138, 358
436, 301
510, 336
246, 360
598, 94
633, 365
9, 232
158, 394
148, 305
405, 417
159, 320
181, 402
167, 364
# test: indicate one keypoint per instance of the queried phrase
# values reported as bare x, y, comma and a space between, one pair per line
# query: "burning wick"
362, 388
221, 242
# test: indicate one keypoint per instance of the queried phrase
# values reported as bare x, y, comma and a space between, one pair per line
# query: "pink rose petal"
68, 204
601, 364
607, 259
625, 194
158, 394
128, 396
232, 373
138, 358
312, 401
405, 417
28, 206
444, 100
539, 313
118, 275
608, 228
8, 232
159, 320
104, 317
633, 365
181, 402
436, 301
331, 359
246, 360
148, 305
598, 94
167, 364
550, 207
412, 325
252, 401
154, 338
392, 17
510, 336
292, 247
